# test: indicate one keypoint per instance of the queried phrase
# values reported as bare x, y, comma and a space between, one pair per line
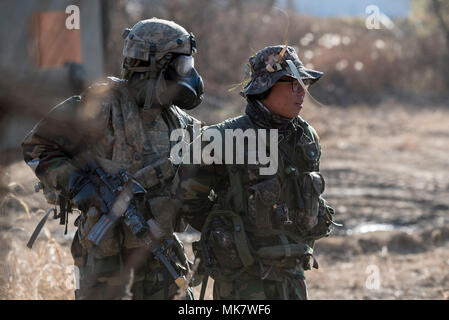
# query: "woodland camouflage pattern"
280, 215
266, 67
265, 203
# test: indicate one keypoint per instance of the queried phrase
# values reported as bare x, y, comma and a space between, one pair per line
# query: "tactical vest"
273, 221
136, 140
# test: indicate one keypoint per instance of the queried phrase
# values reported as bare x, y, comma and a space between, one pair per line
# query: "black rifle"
117, 191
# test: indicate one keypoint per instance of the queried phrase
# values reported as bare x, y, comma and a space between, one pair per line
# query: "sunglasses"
296, 86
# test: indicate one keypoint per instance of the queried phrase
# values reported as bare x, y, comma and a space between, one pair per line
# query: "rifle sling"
38, 229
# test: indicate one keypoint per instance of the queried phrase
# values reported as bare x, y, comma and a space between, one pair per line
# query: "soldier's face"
286, 98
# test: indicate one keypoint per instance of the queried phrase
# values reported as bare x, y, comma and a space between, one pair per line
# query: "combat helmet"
268, 65
150, 46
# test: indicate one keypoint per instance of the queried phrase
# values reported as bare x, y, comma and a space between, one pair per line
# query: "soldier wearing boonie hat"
258, 232
271, 63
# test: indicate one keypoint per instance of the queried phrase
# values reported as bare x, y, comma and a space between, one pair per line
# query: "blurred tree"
441, 12
229, 31
431, 18
115, 18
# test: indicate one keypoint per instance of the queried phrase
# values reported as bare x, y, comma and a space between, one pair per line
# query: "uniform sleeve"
51, 145
193, 190
47, 149
316, 138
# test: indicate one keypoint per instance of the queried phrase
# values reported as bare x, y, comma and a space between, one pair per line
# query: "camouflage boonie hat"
157, 36
266, 68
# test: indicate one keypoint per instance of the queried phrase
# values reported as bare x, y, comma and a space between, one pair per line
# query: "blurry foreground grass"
45, 272
405, 151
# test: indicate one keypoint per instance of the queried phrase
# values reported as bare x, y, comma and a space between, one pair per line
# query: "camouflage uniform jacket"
107, 122
275, 210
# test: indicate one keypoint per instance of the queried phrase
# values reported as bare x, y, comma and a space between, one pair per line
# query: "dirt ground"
387, 176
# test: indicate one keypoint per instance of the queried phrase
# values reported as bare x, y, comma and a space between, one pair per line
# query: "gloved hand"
136, 221
84, 194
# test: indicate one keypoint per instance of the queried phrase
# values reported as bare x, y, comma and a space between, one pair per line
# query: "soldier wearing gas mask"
116, 132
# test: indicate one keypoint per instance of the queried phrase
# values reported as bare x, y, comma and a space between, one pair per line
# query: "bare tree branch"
438, 11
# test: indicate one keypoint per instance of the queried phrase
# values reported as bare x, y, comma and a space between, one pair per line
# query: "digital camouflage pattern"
268, 65
150, 46
294, 288
258, 231
165, 36
114, 123
107, 122
265, 204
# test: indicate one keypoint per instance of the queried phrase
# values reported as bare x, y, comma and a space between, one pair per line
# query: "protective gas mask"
184, 84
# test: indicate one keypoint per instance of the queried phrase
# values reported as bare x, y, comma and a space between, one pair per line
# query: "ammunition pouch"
325, 223
316, 219
261, 199
269, 208
226, 253
287, 256
311, 186
282, 214
224, 249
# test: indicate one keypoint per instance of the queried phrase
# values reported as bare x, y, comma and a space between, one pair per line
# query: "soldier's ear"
126, 33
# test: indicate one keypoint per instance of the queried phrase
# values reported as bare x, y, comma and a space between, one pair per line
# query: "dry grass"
410, 276
398, 138
45, 272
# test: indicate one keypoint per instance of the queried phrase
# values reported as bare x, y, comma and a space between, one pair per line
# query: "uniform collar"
263, 117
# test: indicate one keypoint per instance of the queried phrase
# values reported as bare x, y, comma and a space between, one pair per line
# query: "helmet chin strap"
161, 87
151, 86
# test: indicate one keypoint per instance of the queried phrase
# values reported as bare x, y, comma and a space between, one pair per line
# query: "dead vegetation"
46, 272
407, 62
385, 164
386, 175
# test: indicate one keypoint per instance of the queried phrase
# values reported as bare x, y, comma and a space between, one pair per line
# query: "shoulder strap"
289, 151
310, 132
237, 173
241, 242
